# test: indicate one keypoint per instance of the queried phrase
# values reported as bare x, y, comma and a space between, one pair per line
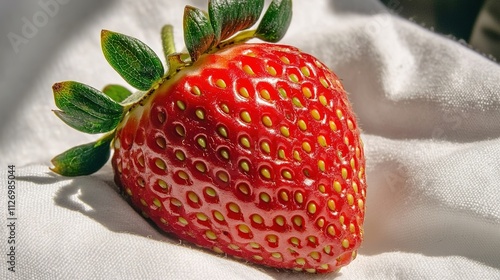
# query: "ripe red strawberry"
248, 149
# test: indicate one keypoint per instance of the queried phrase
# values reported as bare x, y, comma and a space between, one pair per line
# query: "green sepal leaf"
117, 92
230, 16
276, 21
198, 32
86, 108
89, 125
84, 159
132, 59
167, 39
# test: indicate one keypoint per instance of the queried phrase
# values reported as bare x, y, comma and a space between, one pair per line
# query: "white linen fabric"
429, 108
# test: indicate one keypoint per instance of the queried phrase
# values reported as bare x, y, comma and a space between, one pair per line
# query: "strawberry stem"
167, 38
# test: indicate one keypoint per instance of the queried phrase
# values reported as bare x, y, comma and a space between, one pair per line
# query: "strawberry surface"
253, 151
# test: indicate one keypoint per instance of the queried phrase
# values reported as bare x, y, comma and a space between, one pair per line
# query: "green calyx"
90, 110
84, 159
205, 32
85, 108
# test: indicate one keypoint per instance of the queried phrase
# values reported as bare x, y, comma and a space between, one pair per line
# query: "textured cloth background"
429, 108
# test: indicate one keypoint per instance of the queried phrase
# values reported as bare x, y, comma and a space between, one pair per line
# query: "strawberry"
249, 149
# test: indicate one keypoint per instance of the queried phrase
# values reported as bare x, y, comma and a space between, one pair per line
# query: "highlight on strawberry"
248, 149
